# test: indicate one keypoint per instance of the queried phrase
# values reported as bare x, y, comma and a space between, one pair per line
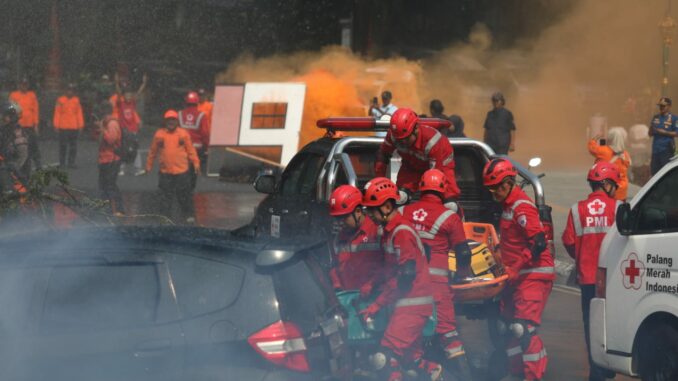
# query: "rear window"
202, 285
302, 292
106, 297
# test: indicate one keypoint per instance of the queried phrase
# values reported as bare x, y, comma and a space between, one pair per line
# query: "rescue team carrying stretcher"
380, 251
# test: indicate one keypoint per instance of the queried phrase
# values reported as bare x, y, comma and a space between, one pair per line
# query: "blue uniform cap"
664, 101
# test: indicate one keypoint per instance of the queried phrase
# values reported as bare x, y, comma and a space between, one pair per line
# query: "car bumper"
617, 361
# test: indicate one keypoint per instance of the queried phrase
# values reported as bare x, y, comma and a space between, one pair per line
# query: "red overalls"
525, 298
441, 229
430, 150
588, 222
413, 308
195, 122
358, 256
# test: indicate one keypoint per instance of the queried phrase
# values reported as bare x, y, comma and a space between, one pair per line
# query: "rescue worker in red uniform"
528, 261
407, 287
196, 123
421, 147
357, 247
442, 230
588, 222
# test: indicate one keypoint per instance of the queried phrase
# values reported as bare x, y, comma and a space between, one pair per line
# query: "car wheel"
658, 355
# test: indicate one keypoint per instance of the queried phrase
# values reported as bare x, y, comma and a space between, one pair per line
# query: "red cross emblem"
419, 215
596, 207
632, 270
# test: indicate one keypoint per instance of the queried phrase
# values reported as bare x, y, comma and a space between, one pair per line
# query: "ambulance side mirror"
623, 219
265, 184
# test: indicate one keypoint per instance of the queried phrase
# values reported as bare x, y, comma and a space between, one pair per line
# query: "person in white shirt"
386, 108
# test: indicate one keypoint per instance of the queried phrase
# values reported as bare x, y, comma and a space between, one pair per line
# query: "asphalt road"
229, 205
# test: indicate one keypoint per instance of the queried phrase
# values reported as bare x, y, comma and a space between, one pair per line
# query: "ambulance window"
658, 211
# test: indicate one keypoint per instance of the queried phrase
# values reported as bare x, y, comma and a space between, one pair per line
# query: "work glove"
538, 246
370, 311
366, 290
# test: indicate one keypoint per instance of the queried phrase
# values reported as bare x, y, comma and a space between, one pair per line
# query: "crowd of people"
180, 152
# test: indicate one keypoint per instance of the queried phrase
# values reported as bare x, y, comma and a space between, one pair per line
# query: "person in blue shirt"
663, 130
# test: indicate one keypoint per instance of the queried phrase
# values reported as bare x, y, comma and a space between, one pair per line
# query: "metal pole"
665, 77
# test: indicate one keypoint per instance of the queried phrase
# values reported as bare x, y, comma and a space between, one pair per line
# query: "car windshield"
210, 127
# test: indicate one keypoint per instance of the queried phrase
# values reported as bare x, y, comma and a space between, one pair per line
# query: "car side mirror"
623, 219
265, 184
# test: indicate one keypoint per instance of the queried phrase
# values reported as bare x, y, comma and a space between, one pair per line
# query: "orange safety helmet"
171, 114
604, 170
403, 122
433, 180
344, 200
379, 190
496, 170
192, 98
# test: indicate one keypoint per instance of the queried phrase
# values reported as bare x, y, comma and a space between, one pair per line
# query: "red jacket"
588, 222
439, 228
430, 150
127, 114
519, 224
109, 141
401, 244
358, 256
196, 123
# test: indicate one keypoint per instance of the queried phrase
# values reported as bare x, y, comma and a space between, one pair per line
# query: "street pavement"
229, 205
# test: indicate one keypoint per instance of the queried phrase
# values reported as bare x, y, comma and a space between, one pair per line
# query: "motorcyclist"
421, 147
529, 262
407, 287
356, 247
442, 230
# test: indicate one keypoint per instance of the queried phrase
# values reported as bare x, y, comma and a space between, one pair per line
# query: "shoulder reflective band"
431, 143
416, 301
448, 159
508, 214
389, 248
535, 356
431, 233
438, 272
451, 334
538, 270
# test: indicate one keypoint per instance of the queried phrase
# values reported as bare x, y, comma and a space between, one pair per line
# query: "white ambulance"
634, 316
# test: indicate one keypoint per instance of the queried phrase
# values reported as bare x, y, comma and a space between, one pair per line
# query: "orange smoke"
326, 95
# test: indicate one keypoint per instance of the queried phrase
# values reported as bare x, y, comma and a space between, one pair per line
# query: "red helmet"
496, 170
403, 122
432, 180
344, 200
169, 114
379, 190
192, 98
604, 170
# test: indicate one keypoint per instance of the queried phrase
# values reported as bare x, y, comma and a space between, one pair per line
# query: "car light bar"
367, 123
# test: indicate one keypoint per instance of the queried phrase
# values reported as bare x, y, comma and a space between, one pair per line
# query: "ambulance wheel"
658, 354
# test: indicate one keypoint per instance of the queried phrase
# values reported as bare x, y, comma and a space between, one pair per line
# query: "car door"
649, 264
109, 321
291, 209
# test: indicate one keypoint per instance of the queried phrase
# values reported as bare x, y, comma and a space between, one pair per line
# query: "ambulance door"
649, 261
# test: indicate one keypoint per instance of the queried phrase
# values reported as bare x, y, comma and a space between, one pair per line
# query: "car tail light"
283, 344
601, 280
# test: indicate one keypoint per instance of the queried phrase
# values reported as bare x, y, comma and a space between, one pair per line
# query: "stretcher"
488, 275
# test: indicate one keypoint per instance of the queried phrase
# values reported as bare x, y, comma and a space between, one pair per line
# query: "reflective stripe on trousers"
438, 272
538, 270
415, 301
